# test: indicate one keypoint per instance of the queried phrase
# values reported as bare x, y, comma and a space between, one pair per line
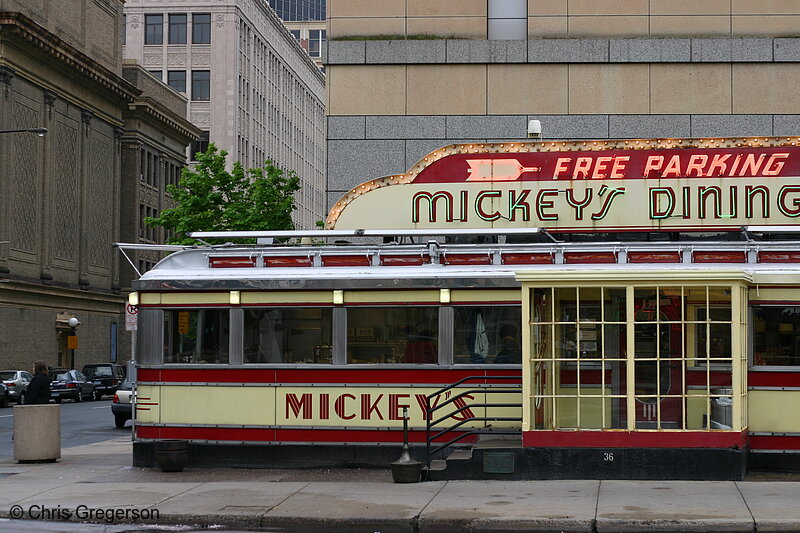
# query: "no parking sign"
131, 315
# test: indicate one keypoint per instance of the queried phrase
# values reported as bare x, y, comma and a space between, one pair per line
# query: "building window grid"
201, 28
177, 28
154, 29
556, 361
177, 80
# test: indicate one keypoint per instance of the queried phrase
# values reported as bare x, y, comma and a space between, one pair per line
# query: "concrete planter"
37, 433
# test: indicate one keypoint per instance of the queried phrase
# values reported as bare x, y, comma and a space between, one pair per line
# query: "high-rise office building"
292, 10
251, 88
306, 21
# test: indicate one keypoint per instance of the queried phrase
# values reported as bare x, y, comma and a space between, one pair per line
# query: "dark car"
70, 384
122, 406
106, 377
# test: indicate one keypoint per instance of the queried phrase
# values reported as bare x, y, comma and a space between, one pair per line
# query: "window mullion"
630, 378
737, 362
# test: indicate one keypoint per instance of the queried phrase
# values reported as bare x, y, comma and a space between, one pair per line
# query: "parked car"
105, 376
3, 395
70, 384
122, 406
17, 382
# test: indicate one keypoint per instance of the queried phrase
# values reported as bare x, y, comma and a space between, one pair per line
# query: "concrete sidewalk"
88, 480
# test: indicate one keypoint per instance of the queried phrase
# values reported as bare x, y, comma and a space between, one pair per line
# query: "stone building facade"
252, 89
407, 77
63, 201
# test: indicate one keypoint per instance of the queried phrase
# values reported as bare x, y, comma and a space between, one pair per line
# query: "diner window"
633, 357
196, 336
177, 29
201, 85
153, 29
201, 28
776, 335
288, 335
487, 334
393, 335
177, 80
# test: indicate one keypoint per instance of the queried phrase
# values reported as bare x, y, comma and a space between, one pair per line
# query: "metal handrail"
430, 449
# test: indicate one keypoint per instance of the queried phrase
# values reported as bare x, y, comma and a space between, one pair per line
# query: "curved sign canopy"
626, 185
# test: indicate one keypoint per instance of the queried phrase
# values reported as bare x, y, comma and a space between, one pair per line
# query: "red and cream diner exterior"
646, 293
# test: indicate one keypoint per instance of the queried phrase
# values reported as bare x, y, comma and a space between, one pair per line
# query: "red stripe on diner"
278, 435
527, 259
774, 379
771, 442
467, 259
717, 379
634, 439
578, 258
346, 260
317, 375
719, 257
778, 257
287, 261
654, 257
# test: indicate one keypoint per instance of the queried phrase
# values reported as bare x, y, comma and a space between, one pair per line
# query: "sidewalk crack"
596, 506
415, 519
755, 526
174, 495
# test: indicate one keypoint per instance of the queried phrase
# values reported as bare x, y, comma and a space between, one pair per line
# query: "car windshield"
8, 376
97, 371
125, 385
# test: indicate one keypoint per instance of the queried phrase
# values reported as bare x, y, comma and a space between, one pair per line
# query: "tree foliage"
209, 198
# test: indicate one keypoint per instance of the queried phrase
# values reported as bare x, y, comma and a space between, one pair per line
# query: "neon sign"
715, 186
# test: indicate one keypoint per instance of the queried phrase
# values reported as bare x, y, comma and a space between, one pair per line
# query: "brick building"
66, 195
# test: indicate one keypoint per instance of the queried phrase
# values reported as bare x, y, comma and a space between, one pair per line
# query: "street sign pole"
131, 324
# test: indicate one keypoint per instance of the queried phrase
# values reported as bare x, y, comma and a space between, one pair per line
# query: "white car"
17, 382
121, 407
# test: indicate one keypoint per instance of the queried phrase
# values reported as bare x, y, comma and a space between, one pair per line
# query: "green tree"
209, 198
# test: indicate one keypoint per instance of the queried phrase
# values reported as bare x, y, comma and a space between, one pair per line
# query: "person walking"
39, 387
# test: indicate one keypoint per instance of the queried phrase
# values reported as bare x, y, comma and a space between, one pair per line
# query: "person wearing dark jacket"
39, 387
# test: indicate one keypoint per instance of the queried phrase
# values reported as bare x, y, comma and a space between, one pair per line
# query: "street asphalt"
95, 483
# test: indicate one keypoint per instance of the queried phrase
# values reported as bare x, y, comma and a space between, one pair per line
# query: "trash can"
37, 433
722, 408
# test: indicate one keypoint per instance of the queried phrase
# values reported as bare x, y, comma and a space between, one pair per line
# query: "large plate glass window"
487, 335
776, 335
288, 335
393, 335
196, 336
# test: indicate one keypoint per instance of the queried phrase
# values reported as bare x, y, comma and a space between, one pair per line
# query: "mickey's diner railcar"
644, 294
